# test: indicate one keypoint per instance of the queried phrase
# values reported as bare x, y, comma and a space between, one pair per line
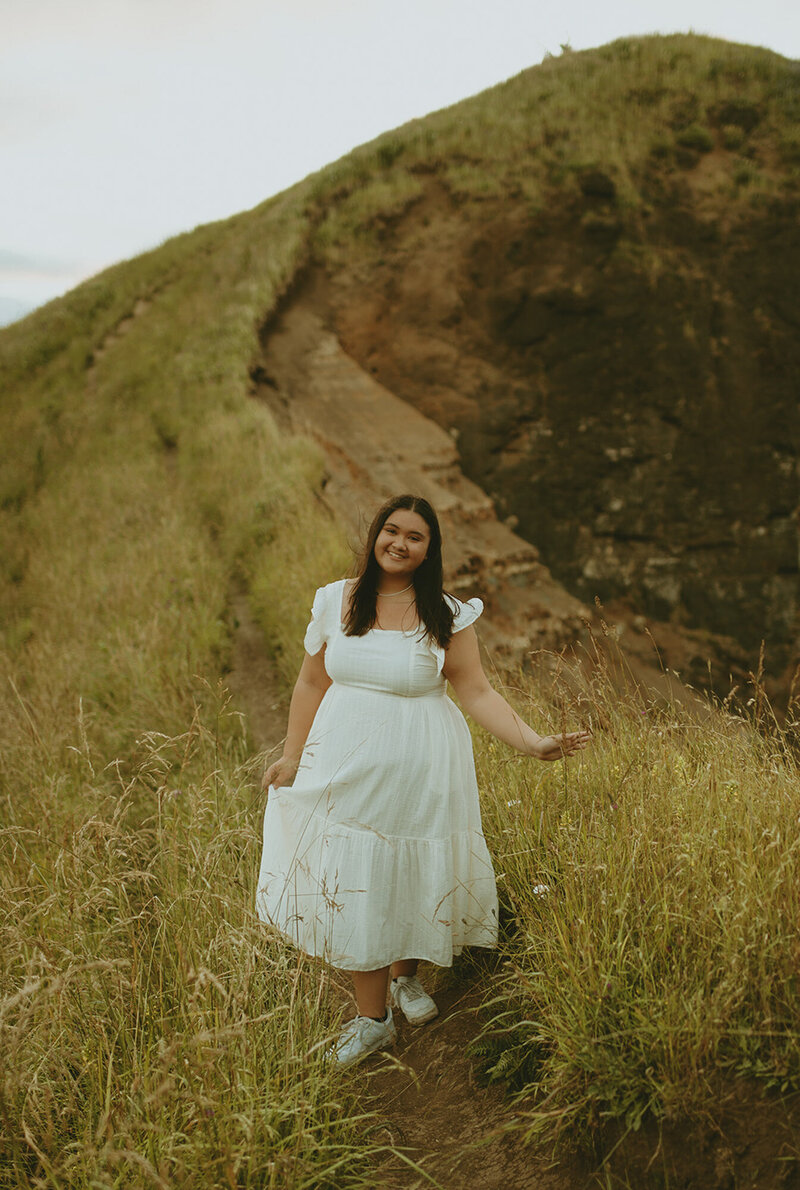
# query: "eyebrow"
393, 525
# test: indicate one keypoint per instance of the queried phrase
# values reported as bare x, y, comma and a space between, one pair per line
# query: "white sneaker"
413, 1001
362, 1036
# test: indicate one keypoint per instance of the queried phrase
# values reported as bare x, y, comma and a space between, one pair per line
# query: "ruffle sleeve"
465, 614
316, 633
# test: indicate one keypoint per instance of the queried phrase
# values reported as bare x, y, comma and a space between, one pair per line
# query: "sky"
124, 122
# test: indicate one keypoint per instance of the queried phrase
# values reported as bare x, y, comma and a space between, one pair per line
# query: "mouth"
399, 557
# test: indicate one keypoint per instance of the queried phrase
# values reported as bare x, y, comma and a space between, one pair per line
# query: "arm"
464, 672
309, 690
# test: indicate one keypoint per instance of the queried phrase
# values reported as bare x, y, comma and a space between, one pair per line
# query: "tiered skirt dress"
376, 851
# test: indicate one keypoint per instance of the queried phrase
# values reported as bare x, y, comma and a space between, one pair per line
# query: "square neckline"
404, 631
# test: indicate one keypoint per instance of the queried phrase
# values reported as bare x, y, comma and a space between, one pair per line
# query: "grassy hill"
151, 1035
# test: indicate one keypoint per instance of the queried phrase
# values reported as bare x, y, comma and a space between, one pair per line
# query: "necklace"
391, 594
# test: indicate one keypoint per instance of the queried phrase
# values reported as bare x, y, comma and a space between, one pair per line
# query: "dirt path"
427, 1099
432, 1107
253, 682
141, 306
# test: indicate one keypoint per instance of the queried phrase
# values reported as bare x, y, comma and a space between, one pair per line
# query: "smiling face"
402, 544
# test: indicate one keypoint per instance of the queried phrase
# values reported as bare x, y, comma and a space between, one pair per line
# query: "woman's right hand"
554, 747
281, 772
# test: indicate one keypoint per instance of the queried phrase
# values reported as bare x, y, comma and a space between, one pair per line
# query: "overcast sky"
123, 122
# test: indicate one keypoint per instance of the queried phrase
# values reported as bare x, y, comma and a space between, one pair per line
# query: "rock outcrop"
624, 387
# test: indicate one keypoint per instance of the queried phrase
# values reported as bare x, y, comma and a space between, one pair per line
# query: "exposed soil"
753, 1143
253, 682
463, 1134
446, 1128
618, 383
377, 445
428, 1102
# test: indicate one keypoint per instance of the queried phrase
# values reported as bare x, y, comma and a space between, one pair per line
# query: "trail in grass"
252, 679
427, 1100
431, 1106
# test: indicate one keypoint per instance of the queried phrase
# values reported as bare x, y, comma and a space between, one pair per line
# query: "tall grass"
143, 484
153, 1033
651, 892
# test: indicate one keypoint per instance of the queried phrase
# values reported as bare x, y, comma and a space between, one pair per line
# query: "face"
402, 543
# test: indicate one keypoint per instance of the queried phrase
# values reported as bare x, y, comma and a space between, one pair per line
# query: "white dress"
376, 852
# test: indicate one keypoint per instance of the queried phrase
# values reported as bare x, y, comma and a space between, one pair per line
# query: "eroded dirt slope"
622, 383
377, 445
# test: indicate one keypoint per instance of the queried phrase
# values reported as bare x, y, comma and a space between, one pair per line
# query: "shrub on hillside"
695, 137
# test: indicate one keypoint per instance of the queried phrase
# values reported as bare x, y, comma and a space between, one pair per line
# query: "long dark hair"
435, 610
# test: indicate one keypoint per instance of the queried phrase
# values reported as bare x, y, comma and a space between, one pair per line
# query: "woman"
375, 857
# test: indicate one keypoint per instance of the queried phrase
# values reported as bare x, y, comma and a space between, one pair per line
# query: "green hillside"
612, 109
151, 1035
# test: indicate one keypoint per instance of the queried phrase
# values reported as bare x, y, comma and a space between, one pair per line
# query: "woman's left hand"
553, 747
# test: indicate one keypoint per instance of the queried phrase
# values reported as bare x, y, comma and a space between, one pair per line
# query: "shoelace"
357, 1025
413, 990
352, 1029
